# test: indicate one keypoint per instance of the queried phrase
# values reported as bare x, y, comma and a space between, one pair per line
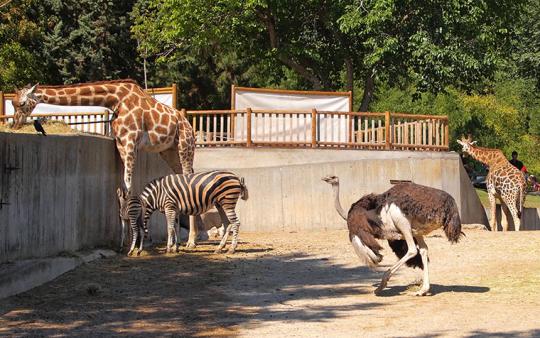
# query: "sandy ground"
299, 284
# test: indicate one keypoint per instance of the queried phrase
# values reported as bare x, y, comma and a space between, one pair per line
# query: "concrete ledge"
24, 275
529, 221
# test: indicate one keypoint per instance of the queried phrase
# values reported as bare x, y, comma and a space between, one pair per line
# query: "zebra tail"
244, 194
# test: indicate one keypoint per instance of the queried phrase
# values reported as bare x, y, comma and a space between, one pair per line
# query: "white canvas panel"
298, 128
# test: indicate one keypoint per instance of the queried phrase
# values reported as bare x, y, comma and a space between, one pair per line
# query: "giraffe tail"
521, 202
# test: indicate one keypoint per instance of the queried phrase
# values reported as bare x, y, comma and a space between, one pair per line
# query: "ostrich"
402, 215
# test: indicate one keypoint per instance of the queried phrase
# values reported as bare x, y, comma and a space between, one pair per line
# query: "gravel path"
300, 284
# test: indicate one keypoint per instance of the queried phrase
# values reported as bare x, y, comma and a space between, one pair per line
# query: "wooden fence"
319, 129
296, 128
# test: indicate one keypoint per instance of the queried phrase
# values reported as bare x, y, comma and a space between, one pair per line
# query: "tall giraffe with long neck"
141, 122
504, 181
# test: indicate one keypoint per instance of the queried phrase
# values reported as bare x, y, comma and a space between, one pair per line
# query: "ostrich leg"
395, 215
424, 254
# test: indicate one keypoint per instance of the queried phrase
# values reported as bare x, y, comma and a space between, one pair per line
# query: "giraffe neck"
490, 157
105, 95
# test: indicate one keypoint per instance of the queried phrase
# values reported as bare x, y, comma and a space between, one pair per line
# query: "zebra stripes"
190, 194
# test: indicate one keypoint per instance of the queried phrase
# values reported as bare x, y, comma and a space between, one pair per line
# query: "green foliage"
19, 39
56, 41
501, 118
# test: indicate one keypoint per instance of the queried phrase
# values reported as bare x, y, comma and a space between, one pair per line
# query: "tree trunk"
369, 88
350, 74
269, 22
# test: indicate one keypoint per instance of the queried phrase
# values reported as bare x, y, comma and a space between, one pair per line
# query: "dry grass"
51, 127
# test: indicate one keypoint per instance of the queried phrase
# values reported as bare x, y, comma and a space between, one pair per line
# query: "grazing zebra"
191, 194
129, 209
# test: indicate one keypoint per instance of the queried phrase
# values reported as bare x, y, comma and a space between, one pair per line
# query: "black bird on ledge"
39, 127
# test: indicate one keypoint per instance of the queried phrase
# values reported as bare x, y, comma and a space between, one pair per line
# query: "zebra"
190, 194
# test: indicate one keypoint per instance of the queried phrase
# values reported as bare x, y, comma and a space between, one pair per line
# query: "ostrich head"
466, 143
331, 179
24, 103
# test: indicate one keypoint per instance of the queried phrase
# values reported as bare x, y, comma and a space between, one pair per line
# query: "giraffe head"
24, 103
466, 143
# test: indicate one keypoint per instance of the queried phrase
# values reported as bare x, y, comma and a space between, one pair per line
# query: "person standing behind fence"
515, 162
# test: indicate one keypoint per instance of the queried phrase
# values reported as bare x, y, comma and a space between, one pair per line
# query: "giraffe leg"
193, 232
505, 213
186, 146
126, 148
404, 226
424, 254
512, 203
492, 211
171, 157
186, 151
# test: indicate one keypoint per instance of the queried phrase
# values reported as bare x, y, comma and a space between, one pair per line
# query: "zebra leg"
170, 214
134, 234
122, 235
233, 219
224, 220
141, 236
224, 239
234, 243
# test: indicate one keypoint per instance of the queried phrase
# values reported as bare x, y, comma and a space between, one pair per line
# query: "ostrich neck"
337, 204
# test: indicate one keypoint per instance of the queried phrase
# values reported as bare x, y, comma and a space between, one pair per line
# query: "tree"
19, 38
329, 44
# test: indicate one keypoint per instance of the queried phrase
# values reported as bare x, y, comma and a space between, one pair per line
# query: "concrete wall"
62, 193
529, 221
286, 191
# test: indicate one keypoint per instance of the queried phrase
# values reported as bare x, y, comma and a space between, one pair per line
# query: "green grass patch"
532, 201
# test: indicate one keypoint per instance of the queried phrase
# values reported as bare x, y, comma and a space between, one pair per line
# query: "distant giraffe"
141, 123
503, 181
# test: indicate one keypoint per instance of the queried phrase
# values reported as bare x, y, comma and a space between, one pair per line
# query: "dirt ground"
298, 284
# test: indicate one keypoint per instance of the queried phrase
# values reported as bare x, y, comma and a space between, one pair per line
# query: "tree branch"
5, 3
268, 21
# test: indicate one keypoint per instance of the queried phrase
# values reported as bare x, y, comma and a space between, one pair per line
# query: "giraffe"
504, 181
141, 122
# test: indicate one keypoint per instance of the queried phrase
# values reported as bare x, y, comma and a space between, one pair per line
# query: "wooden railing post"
174, 96
248, 131
388, 141
446, 136
106, 124
2, 107
313, 128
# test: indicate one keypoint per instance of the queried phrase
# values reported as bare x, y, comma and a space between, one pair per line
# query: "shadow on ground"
196, 294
